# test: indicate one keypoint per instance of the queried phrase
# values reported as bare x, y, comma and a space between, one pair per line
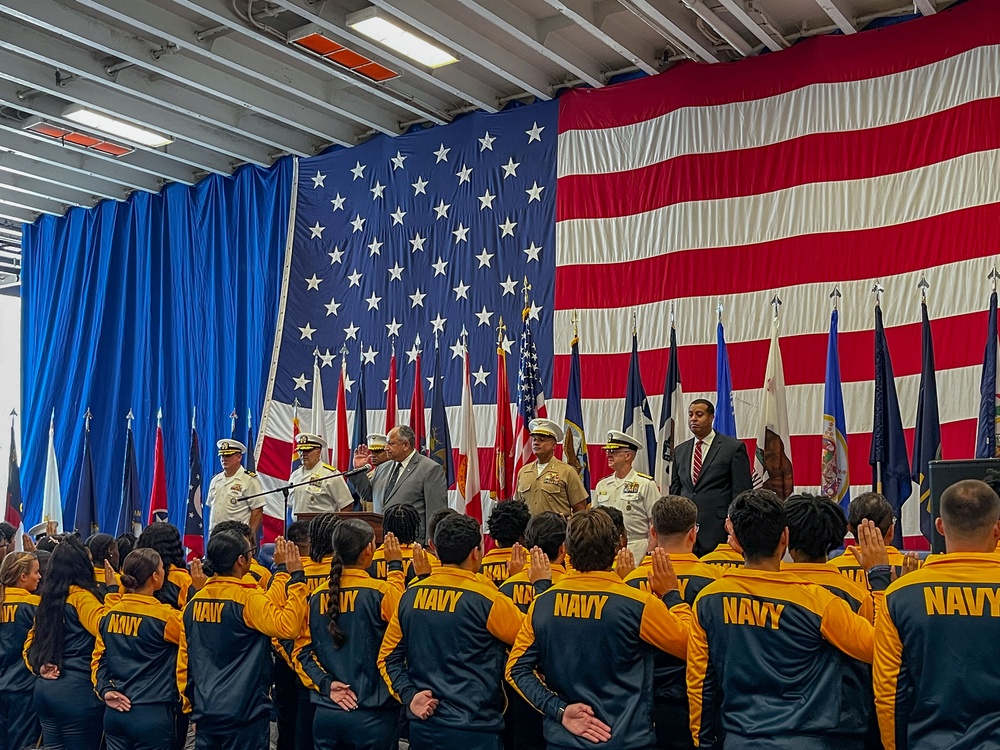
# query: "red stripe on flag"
804, 259
818, 157
823, 59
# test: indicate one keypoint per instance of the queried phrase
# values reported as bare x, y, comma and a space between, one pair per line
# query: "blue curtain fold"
166, 300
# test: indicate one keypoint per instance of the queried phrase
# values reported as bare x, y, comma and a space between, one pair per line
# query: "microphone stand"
284, 489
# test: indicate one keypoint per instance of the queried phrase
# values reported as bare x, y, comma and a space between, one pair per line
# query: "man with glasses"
230, 495
629, 491
406, 478
674, 530
326, 492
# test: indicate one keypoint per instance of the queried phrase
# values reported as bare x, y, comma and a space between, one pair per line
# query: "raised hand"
870, 549
293, 560
911, 561
540, 568
579, 719
362, 456
28, 543
662, 577
198, 577
517, 561
624, 562
390, 546
421, 563
280, 551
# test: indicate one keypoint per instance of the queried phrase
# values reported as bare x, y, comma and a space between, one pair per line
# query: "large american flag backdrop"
840, 161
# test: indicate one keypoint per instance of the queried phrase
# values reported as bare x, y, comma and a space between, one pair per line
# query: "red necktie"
696, 466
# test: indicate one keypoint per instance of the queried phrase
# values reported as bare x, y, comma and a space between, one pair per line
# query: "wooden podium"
372, 519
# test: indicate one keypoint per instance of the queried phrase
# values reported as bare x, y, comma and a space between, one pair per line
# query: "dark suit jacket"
725, 473
421, 484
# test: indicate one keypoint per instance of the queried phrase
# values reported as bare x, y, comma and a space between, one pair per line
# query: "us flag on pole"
841, 160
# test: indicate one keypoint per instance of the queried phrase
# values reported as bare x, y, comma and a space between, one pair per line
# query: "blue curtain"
165, 300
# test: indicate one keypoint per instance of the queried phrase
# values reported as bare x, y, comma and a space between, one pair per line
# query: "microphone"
355, 472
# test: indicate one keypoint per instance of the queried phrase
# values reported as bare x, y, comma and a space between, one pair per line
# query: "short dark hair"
591, 540
298, 532
969, 508
402, 521
872, 506
225, 548
547, 531
673, 514
455, 538
816, 525
617, 518
758, 519
436, 518
508, 521
239, 527
709, 406
7, 531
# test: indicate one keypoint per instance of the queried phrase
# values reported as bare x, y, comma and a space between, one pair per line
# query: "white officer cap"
377, 442
306, 441
229, 447
618, 439
545, 427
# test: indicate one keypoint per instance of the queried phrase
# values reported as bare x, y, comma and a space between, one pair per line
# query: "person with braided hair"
348, 615
132, 668
59, 647
103, 547
19, 578
403, 522
165, 539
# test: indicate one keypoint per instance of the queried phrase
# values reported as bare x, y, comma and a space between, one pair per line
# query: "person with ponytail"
19, 578
166, 540
134, 659
103, 548
224, 658
60, 645
348, 615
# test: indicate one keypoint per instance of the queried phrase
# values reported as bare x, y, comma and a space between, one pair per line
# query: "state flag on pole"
130, 515
888, 459
574, 433
391, 402
927, 434
158, 496
360, 419
194, 522
417, 404
986, 435
439, 439
836, 474
530, 394
86, 499
342, 447
772, 461
725, 414
637, 420
14, 512
52, 496
317, 418
468, 448
672, 413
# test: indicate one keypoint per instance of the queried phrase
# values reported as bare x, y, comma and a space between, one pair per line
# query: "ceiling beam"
86, 31
582, 13
723, 29
51, 110
448, 78
17, 215
671, 31
926, 7
139, 161
240, 59
71, 196
56, 174
78, 160
736, 9
31, 202
37, 75
837, 15
395, 93
531, 33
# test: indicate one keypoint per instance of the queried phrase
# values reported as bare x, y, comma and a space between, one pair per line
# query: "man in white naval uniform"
629, 491
325, 493
230, 490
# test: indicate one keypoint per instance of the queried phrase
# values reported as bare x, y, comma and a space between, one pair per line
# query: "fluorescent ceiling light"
386, 31
11, 232
116, 127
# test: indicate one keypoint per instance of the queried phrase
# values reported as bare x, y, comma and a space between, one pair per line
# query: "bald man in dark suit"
710, 469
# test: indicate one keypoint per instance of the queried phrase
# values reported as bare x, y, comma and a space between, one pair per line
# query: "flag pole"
877, 290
